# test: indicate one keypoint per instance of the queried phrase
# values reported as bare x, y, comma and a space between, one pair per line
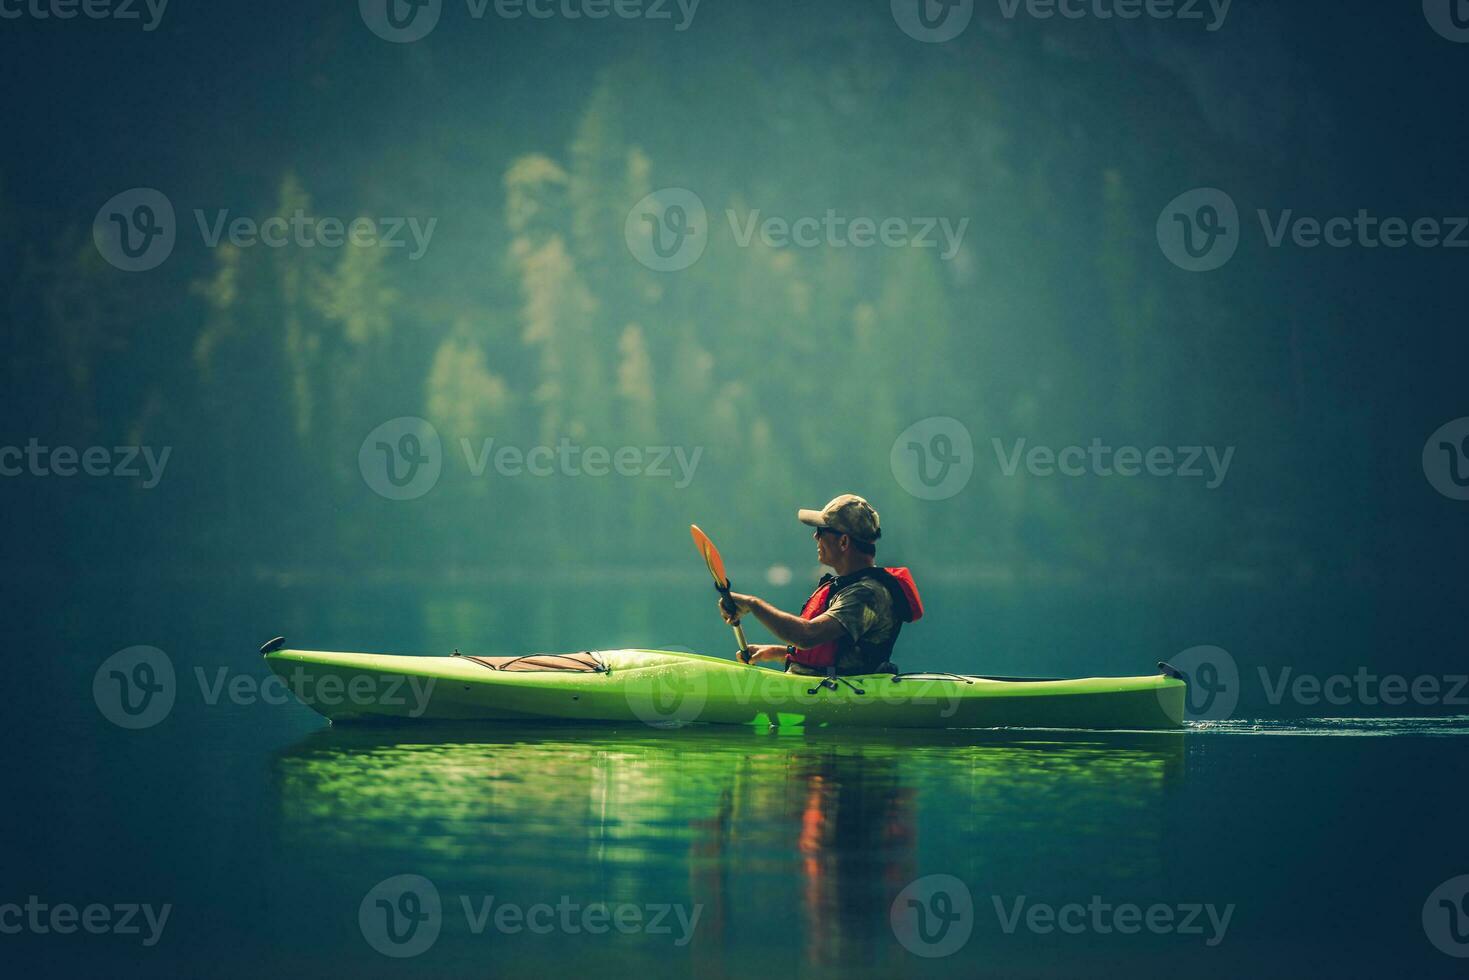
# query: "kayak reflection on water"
850, 624
791, 846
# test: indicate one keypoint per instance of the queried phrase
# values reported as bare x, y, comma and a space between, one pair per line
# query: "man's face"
828, 545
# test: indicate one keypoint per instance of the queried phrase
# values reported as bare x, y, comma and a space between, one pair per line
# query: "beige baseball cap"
847, 514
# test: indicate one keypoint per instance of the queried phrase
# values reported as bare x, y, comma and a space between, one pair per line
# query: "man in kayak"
851, 622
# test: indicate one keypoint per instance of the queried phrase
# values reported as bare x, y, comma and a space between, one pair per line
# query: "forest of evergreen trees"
792, 370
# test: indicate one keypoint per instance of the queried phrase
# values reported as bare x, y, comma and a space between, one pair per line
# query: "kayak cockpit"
586, 662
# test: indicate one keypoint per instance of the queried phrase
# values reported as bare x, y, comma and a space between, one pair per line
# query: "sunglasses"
828, 530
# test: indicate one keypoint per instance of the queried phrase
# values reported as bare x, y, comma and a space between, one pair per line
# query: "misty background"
790, 371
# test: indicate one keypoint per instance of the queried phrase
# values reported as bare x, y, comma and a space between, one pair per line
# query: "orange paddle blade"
711, 556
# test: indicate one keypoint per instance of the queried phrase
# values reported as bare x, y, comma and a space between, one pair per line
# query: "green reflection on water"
810, 835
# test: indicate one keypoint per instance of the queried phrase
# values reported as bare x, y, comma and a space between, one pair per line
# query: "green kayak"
666, 689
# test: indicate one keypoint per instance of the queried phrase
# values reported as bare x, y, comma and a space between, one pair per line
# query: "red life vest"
907, 608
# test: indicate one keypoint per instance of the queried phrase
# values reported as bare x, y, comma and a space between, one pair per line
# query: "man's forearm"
791, 629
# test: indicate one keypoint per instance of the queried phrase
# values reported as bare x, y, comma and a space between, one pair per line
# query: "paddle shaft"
730, 607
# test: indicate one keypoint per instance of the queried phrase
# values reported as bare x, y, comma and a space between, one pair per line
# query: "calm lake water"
1260, 846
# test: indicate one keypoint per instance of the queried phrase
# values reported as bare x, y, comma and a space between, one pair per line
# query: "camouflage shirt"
865, 610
